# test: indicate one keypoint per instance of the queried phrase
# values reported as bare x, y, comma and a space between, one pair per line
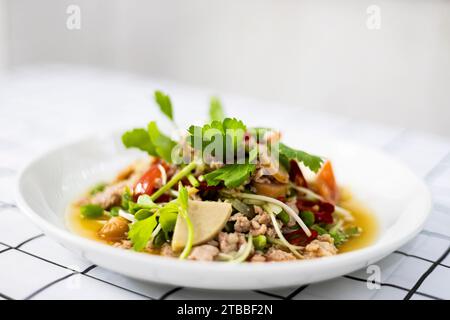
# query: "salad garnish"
221, 191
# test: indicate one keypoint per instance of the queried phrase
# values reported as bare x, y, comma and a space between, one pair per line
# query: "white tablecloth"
41, 107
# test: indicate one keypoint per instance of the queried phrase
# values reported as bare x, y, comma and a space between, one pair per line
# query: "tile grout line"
4, 296
296, 292
379, 283
169, 293
28, 240
48, 286
273, 295
425, 275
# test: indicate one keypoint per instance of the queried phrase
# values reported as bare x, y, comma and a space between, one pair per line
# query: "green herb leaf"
312, 162
232, 175
230, 132
141, 232
126, 199
319, 229
168, 217
142, 214
91, 211
215, 110
339, 237
146, 202
139, 138
162, 143
97, 188
114, 212
164, 103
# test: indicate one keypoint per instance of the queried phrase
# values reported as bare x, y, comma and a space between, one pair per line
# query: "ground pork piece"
258, 209
323, 246
263, 218
124, 244
229, 242
213, 243
205, 252
271, 232
278, 255
110, 197
166, 250
258, 229
258, 257
242, 223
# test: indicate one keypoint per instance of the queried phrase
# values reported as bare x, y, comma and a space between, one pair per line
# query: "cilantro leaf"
215, 110
312, 162
164, 103
232, 175
229, 133
168, 217
141, 232
139, 138
162, 143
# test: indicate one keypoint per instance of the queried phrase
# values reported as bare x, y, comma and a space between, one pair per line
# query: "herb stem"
180, 175
193, 180
190, 237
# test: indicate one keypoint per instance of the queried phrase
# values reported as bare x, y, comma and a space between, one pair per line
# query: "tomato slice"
146, 184
326, 183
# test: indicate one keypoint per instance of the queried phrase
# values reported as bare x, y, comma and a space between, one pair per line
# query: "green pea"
91, 211
260, 242
307, 217
283, 216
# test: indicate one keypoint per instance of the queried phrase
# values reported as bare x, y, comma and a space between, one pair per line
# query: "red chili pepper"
299, 237
322, 210
296, 175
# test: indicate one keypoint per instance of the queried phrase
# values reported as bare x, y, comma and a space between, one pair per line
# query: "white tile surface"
427, 247
52, 251
398, 270
438, 222
436, 285
81, 287
420, 152
15, 227
81, 94
6, 181
22, 274
343, 288
152, 290
441, 178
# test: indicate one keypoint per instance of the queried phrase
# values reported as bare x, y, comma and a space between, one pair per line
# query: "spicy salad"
220, 192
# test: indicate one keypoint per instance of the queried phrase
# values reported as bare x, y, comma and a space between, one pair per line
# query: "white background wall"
315, 54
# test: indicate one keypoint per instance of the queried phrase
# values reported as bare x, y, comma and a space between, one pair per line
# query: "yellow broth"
364, 219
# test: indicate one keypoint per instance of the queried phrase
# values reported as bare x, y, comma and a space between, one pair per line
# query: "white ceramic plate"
399, 199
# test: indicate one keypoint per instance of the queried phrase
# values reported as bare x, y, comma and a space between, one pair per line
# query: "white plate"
399, 199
